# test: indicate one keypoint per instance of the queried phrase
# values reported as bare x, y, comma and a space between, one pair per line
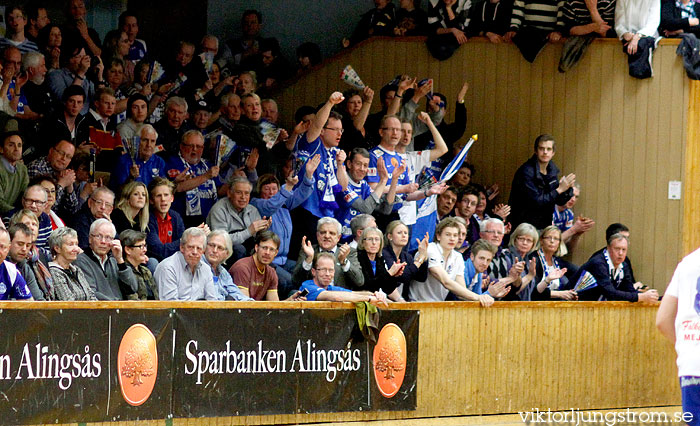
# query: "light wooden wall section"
624, 138
512, 357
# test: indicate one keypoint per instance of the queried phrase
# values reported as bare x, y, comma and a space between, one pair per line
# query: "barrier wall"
513, 357
624, 138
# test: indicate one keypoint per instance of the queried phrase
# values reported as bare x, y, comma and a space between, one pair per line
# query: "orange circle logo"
389, 360
137, 364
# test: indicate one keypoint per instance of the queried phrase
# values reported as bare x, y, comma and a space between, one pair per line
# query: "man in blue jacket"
536, 187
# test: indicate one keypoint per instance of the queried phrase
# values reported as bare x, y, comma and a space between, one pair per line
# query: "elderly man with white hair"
186, 275
103, 264
219, 248
504, 267
145, 166
348, 272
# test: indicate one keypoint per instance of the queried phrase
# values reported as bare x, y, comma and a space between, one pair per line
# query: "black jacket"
533, 195
485, 16
607, 288
671, 18
375, 281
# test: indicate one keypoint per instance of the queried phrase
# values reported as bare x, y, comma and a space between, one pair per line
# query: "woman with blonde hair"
377, 275
552, 273
131, 211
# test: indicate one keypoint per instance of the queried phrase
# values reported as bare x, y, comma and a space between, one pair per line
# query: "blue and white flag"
426, 218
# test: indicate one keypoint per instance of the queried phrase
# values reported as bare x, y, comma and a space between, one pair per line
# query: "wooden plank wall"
691, 190
512, 357
624, 138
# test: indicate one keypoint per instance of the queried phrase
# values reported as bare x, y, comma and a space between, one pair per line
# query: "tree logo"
389, 360
137, 364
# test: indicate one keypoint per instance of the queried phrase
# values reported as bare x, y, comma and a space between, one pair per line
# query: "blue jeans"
285, 287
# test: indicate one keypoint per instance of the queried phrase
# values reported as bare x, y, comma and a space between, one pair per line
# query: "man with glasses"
322, 137
55, 164
34, 199
254, 275
504, 268
218, 250
196, 182
98, 206
238, 217
13, 173
321, 286
185, 275
103, 264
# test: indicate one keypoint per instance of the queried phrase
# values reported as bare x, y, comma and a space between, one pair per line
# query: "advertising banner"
92, 365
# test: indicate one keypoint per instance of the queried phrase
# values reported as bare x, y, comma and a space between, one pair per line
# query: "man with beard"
254, 275
35, 92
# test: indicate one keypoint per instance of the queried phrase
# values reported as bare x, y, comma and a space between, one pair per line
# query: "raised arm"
440, 145
361, 117
322, 116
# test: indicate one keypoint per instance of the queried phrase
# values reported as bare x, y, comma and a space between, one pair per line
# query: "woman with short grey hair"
69, 282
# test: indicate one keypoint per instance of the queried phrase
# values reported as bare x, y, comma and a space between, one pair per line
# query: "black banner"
83, 365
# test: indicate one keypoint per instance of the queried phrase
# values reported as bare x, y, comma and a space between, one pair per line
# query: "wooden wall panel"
624, 138
691, 189
512, 357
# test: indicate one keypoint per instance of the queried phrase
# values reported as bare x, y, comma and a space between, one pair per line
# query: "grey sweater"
112, 283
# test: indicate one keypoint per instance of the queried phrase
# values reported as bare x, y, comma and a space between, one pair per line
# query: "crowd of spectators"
205, 196
531, 24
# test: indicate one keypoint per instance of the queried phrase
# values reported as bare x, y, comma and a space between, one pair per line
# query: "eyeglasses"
31, 202
491, 231
189, 145
63, 154
100, 203
372, 239
139, 246
335, 129
524, 240
103, 238
552, 239
216, 247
